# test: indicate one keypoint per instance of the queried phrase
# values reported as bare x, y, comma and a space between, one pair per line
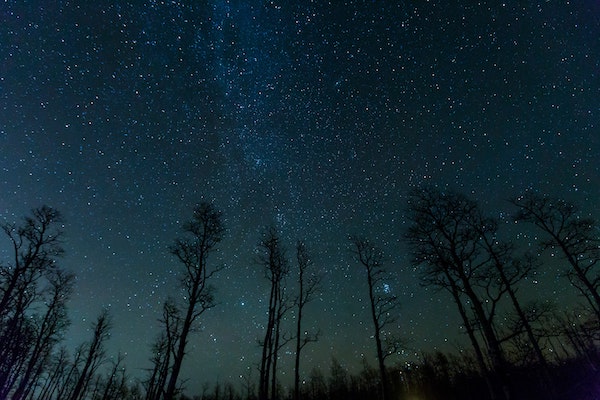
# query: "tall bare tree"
201, 236
272, 258
48, 331
35, 245
308, 287
383, 304
444, 242
576, 237
511, 270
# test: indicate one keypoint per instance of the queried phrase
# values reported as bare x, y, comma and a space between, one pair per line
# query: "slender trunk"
96, 388
12, 353
152, 381
34, 368
274, 261
163, 371
528, 329
180, 353
84, 377
276, 346
493, 344
93, 356
52, 381
177, 361
34, 382
377, 331
471, 333
298, 347
63, 391
267, 350
42, 344
275, 356
109, 385
544, 368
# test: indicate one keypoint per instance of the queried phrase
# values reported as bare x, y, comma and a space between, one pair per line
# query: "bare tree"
48, 330
36, 245
308, 287
272, 258
512, 270
26, 282
443, 240
383, 304
202, 234
576, 237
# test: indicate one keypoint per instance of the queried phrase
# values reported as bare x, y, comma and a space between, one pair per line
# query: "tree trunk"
180, 353
377, 331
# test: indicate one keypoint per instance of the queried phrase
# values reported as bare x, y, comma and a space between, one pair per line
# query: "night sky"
315, 116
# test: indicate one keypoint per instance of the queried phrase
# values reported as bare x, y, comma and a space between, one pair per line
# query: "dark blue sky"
318, 117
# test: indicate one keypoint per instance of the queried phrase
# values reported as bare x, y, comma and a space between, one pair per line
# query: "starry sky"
315, 116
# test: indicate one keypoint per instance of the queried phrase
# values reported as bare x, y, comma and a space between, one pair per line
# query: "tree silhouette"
442, 240
510, 271
202, 234
36, 245
575, 236
48, 331
32, 287
458, 249
382, 303
308, 287
272, 258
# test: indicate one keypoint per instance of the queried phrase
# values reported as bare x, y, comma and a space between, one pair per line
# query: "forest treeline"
515, 349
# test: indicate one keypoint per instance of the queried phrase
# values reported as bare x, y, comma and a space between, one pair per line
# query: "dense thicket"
514, 349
